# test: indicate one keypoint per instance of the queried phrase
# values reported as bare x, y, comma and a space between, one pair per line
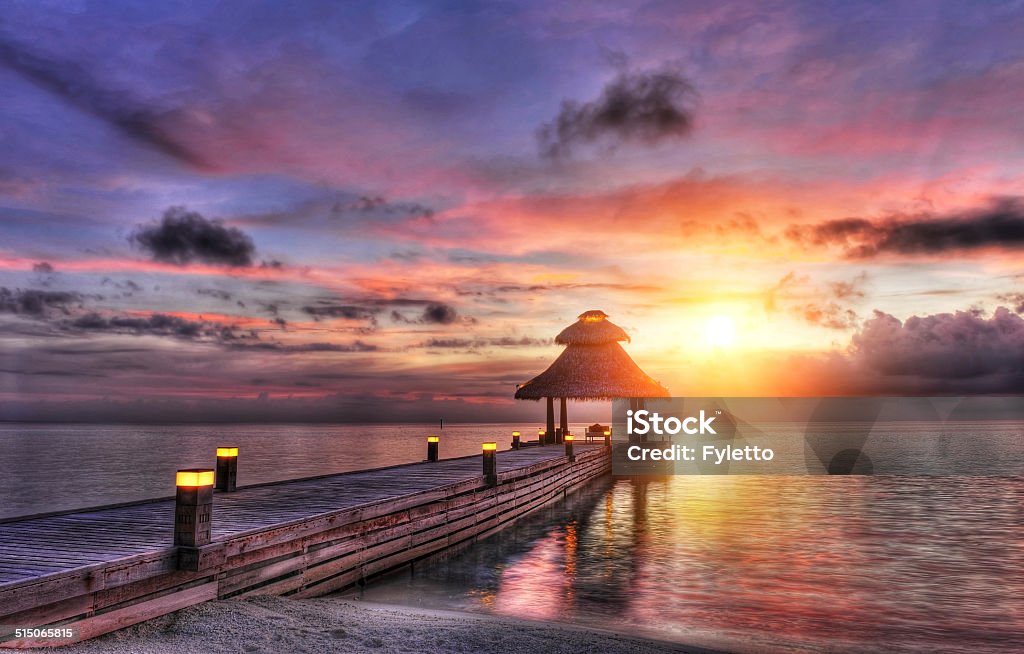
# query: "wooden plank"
319, 535
102, 623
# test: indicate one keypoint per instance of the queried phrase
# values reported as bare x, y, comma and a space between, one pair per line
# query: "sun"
720, 331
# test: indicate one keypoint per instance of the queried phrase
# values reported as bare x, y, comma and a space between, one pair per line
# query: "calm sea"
55, 467
885, 563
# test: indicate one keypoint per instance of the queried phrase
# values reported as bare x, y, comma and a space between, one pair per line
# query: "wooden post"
549, 432
569, 438
193, 514
607, 437
515, 440
491, 464
563, 417
432, 445
227, 469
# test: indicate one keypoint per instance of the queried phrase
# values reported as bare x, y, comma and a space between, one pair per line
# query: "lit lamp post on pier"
193, 514
490, 463
227, 469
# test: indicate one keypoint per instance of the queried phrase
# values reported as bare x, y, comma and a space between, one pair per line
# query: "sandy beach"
277, 624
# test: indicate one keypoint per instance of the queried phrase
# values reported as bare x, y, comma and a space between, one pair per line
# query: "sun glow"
720, 331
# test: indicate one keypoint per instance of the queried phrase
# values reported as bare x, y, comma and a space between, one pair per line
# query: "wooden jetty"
99, 570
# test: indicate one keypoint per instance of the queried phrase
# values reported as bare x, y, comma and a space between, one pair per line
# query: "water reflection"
852, 564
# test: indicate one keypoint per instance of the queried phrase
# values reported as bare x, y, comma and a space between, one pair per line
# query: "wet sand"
276, 624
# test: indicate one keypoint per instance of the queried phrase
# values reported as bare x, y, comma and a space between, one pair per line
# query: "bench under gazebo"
593, 366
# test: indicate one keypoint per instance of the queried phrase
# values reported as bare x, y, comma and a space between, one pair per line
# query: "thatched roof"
592, 328
593, 366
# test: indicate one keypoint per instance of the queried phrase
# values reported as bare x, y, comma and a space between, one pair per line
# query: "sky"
386, 211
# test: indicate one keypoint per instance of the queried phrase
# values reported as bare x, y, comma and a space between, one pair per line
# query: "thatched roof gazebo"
593, 366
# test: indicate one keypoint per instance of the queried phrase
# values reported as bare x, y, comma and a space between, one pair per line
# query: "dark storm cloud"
34, 302
636, 107
182, 237
1001, 225
945, 347
76, 86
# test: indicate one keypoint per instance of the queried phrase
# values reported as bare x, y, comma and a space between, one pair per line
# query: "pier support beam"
563, 417
549, 432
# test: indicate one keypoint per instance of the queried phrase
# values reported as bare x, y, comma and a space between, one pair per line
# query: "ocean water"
886, 563
851, 564
47, 468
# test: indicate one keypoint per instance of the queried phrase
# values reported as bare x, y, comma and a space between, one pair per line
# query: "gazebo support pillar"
549, 434
564, 419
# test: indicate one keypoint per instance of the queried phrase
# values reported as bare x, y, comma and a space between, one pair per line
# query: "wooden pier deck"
99, 570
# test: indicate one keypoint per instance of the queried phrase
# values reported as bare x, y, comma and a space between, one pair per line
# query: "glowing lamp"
515, 433
490, 447
569, 438
607, 432
227, 451
194, 478
433, 439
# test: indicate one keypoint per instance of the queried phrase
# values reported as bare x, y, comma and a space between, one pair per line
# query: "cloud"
635, 107
34, 302
825, 305
1000, 225
43, 268
478, 343
439, 314
1015, 299
72, 83
182, 237
354, 346
830, 314
377, 205
434, 313
215, 293
158, 324
945, 350
346, 311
